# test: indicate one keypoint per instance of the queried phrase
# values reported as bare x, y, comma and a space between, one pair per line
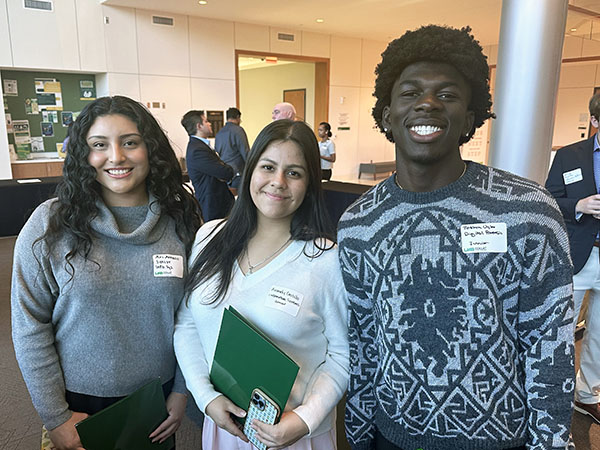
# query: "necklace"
400, 186
251, 267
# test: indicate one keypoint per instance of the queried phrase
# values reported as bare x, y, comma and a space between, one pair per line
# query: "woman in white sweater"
275, 237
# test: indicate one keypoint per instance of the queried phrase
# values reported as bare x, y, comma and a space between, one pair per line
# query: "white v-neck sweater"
316, 338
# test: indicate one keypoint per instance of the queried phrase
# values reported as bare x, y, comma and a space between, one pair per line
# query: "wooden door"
297, 97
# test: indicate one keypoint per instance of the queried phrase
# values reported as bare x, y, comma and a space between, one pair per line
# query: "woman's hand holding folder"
65, 437
176, 408
219, 411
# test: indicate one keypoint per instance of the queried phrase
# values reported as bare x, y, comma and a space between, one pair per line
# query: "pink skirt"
215, 438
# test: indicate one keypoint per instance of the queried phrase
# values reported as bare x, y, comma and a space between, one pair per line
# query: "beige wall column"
529, 59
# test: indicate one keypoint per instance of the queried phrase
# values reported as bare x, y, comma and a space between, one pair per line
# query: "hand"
589, 205
289, 429
65, 437
176, 408
219, 411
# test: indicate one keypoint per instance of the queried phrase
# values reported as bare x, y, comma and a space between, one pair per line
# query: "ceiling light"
320, 20
202, 2
573, 29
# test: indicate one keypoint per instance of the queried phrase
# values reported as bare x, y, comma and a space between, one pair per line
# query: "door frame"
321, 79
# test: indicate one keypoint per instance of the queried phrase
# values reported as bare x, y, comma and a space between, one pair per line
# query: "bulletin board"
48, 106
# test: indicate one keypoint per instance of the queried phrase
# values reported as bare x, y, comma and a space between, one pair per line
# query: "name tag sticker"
168, 265
483, 238
284, 299
572, 176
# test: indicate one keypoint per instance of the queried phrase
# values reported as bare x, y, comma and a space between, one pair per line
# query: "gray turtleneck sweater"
109, 330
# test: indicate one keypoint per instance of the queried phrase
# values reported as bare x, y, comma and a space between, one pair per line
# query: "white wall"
576, 87
191, 65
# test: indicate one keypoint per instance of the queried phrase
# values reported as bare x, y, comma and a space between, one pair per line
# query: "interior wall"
121, 45
576, 87
127, 52
262, 88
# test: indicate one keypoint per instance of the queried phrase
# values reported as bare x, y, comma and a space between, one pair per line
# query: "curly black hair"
436, 44
78, 191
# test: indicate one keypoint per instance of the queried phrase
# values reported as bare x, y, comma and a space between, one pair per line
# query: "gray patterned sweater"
451, 349
108, 331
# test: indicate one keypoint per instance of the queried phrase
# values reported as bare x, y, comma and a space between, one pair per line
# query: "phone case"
261, 408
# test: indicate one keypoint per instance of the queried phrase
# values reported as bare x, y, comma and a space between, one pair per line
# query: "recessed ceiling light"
320, 20
203, 2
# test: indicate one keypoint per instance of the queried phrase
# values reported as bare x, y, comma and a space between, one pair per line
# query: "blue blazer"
209, 176
582, 233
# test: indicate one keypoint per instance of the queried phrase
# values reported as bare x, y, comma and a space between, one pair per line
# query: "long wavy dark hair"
309, 223
79, 191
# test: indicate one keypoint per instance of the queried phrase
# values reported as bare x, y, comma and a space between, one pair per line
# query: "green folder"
126, 424
246, 359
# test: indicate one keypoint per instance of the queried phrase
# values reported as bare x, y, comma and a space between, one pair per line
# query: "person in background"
275, 238
208, 173
92, 314
327, 150
574, 181
458, 274
284, 110
231, 143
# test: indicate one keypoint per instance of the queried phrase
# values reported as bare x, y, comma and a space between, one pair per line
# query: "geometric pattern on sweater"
447, 346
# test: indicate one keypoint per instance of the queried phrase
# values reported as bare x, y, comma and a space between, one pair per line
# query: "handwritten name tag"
483, 238
168, 266
572, 176
284, 299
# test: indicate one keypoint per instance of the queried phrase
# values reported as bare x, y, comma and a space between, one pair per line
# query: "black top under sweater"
455, 350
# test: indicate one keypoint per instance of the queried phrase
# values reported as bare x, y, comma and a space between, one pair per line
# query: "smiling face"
120, 157
428, 113
279, 182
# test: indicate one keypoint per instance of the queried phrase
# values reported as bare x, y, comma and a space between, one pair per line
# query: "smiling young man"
458, 275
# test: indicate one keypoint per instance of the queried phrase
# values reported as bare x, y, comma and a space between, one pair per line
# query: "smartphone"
261, 408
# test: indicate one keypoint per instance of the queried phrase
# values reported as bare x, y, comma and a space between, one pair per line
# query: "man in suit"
574, 181
231, 143
209, 175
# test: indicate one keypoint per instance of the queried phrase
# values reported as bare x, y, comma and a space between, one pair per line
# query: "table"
18, 200
339, 195
376, 167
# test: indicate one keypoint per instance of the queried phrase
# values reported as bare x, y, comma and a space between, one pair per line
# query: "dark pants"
90, 404
326, 174
382, 443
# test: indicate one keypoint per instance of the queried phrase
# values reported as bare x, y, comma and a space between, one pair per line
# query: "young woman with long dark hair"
98, 272
276, 237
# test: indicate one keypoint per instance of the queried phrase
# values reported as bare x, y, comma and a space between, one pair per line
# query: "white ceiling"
371, 19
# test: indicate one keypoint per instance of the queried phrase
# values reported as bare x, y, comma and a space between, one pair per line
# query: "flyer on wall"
47, 129
49, 94
10, 88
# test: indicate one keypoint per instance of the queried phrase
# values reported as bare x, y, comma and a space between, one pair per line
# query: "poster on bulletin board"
49, 94
87, 90
10, 87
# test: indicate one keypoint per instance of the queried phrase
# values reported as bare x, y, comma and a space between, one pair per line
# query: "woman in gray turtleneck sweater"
98, 272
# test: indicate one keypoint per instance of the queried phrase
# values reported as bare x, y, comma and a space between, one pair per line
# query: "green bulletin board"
72, 90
